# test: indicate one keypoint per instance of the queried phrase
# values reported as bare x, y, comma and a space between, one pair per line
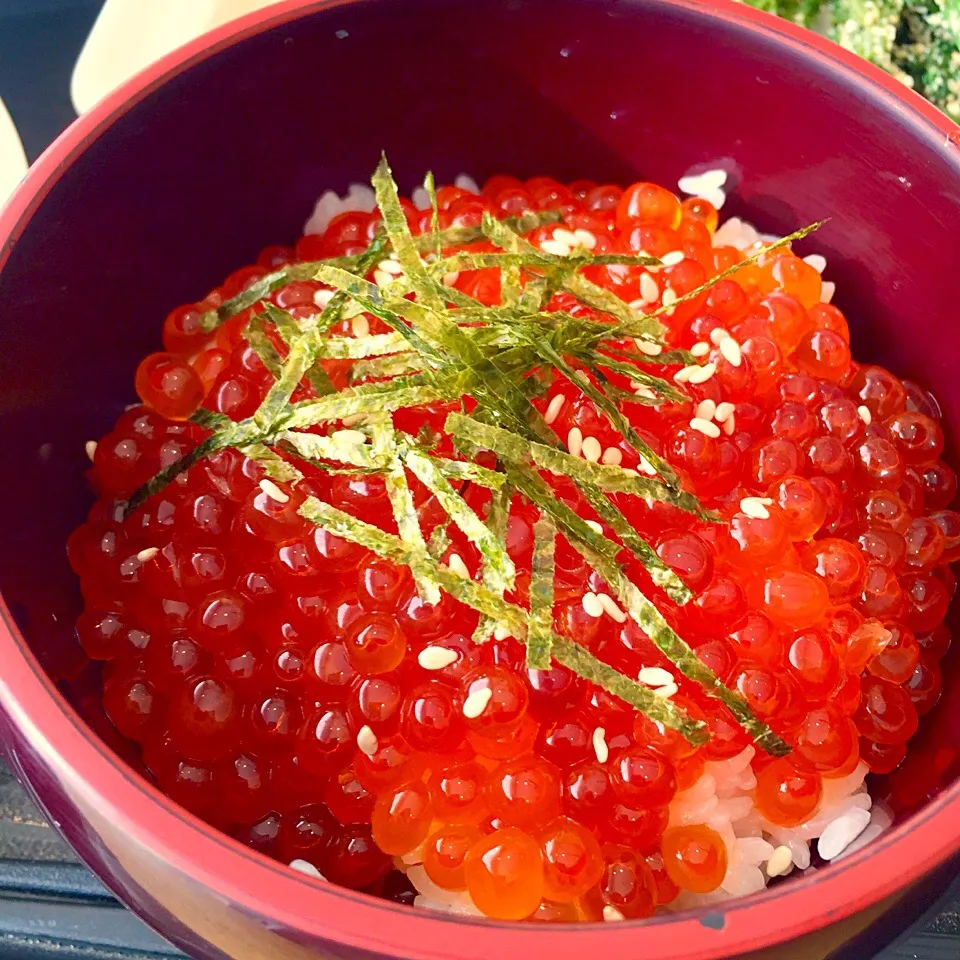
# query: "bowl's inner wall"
230, 156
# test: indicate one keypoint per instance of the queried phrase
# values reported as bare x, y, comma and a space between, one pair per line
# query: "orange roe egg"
572, 862
627, 883
695, 857
798, 279
401, 818
445, 852
525, 792
786, 795
826, 739
793, 598
504, 874
506, 705
169, 385
457, 792
649, 204
801, 506
823, 354
702, 210
887, 714
375, 644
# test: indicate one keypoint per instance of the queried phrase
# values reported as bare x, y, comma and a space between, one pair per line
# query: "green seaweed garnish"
540, 629
444, 346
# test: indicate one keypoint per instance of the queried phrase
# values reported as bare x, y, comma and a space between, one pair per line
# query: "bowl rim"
323, 911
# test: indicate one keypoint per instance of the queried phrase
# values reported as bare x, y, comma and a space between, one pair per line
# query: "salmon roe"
294, 690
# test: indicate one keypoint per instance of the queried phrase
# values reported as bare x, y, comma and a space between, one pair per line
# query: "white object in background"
13, 160
131, 34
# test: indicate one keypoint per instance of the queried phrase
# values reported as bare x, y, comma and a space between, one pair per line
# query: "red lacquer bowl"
221, 148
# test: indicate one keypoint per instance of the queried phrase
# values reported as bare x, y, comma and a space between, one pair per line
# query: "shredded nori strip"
540, 629
607, 477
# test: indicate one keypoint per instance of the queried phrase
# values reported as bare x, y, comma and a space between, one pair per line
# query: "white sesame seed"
827, 290
382, 279
449, 279
706, 409
565, 236
702, 374
273, 491
591, 449
306, 867
730, 351
840, 833
864, 414
610, 608
638, 305
648, 347
780, 862
594, 526
648, 288
322, 297
500, 632
755, 508
390, 266
672, 258
600, 747
724, 411
612, 457
586, 238
816, 261
700, 349
553, 410
630, 473
465, 182
669, 297
477, 702
367, 741
683, 374
555, 247
666, 691
575, 441
592, 605
718, 334
642, 390
706, 427
611, 914
91, 447
360, 326
645, 466
436, 658
145, 556
457, 566
655, 676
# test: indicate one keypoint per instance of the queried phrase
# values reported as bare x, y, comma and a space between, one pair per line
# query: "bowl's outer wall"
229, 156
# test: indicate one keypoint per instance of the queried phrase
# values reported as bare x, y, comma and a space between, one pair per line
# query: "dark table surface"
49, 904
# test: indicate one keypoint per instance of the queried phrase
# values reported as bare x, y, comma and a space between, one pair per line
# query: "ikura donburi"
296, 690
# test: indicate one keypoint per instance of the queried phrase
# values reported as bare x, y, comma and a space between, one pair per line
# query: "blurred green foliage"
918, 41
